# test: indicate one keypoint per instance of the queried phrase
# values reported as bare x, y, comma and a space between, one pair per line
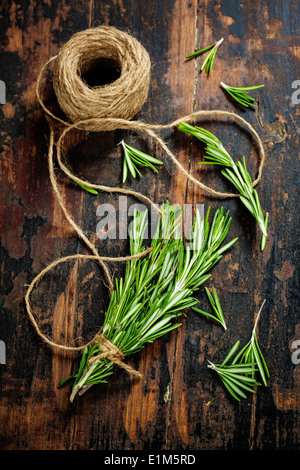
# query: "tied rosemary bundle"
155, 290
237, 174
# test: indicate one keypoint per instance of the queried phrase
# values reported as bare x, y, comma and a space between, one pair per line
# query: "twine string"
112, 353
104, 109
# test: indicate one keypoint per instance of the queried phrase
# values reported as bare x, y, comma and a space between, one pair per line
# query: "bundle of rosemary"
155, 290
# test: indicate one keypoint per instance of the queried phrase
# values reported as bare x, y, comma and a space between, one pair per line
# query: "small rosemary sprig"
240, 94
216, 306
251, 352
239, 376
155, 290
133, 158
209, 60
235, 377
237, 174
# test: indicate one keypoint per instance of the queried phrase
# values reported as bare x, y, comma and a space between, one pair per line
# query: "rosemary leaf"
86, 187
201, 51
216, 306
231, 353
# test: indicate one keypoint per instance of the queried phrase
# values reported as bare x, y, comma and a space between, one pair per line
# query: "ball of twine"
122, 98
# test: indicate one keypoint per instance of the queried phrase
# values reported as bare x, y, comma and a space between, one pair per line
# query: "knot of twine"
111, 352
108, 108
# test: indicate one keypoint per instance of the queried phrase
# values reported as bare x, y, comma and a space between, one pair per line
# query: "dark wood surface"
179, 404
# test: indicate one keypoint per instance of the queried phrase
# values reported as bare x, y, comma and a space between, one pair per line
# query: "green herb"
134, 157
216, 306
236, 377
209, 60
239, 376
87, 188
264, 237
252, 353
155, 290
240, 94
237, 174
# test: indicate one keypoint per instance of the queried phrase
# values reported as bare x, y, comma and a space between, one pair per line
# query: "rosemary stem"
80, 384
223, 85
262, 226
218, 43
211, 365
257, 318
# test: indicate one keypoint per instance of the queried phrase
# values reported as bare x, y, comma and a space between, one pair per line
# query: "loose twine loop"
108, 108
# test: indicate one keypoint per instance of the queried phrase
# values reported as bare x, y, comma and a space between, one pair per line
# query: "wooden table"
179, 404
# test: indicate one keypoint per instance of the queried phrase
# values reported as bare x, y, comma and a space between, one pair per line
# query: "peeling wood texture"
179, 404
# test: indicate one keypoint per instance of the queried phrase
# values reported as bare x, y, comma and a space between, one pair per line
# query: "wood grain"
179, 404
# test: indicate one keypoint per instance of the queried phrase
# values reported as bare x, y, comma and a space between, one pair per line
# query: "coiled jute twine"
107, 108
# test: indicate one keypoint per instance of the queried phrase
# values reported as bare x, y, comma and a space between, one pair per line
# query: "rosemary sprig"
216, 306
209, 60
252, 353
155, 290
237, 174
240, 374
240, 94
133, 158
236, 377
